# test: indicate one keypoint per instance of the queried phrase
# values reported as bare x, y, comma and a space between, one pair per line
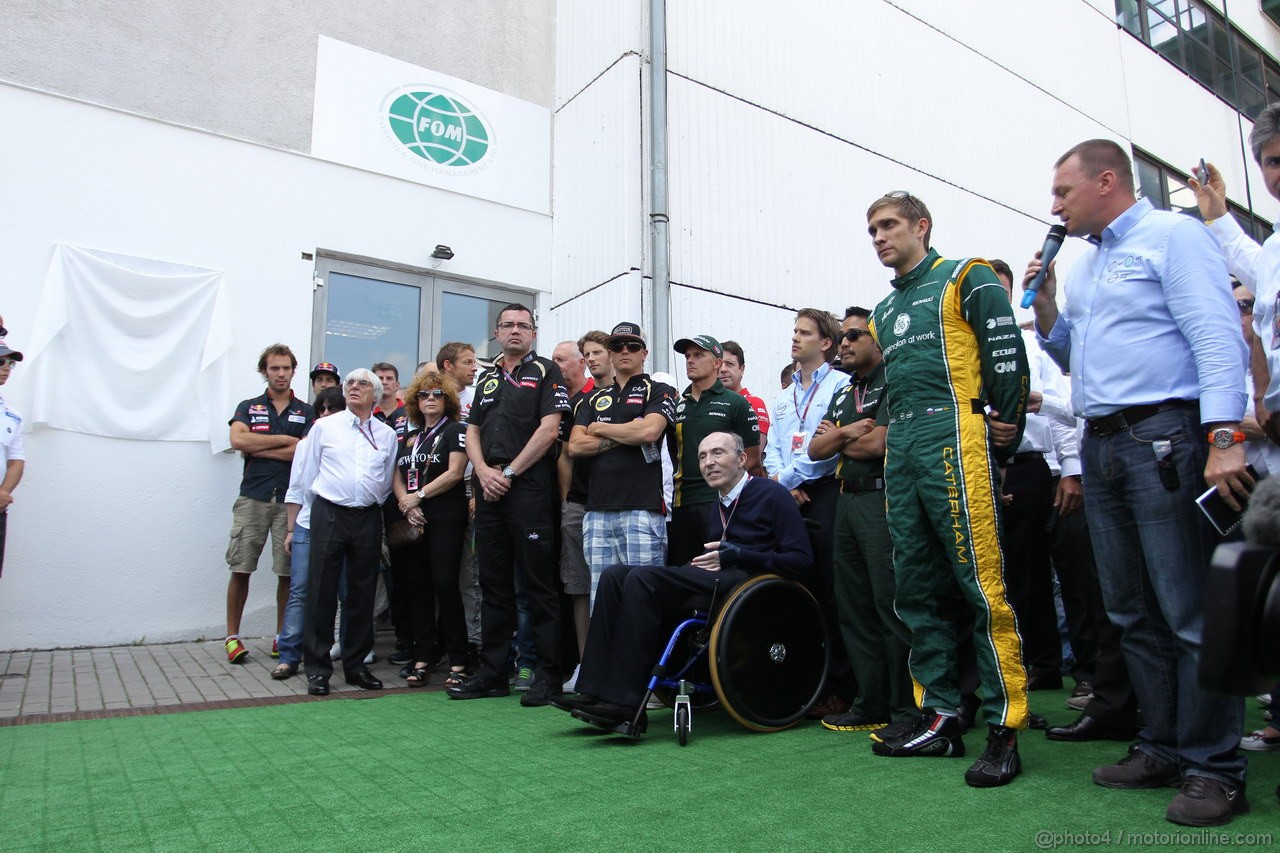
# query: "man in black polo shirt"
265, 430
511, 439
878, 643
619, 431
705, 407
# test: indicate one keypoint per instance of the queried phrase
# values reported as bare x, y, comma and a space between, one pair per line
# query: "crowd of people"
929, 469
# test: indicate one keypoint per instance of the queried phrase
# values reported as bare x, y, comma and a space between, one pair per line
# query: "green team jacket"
951, 346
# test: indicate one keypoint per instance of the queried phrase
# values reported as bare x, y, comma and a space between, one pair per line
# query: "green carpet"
422, 772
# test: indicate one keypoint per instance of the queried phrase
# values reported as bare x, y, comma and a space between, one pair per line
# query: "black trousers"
687, 533
426, 571
1028, 573
1095, 640
341, 535
519, 530
820, 519
626, 635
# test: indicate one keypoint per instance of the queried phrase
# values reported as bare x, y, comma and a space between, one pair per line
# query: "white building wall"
112, 541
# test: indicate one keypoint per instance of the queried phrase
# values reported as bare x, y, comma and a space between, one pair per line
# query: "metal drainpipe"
660, 342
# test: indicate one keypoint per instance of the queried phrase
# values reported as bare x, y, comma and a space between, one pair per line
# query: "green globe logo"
439, 128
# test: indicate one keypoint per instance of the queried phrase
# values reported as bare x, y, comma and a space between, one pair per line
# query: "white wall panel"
590, 36
596, 183
139, 551
847, 76
770, 210
763, 331
601, 308
1067, 48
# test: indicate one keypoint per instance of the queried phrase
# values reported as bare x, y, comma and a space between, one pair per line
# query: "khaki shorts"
574, 573
251, 521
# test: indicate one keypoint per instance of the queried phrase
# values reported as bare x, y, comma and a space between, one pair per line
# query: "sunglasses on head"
853, 334
434, 392
629, 346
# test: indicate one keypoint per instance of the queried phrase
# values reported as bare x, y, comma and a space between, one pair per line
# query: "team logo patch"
901, 324
490, 386
603, 403
257, 409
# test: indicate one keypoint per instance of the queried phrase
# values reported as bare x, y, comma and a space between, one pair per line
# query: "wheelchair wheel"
769, 653
682, 724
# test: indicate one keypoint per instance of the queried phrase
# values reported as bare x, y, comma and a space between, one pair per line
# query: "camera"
1241, 651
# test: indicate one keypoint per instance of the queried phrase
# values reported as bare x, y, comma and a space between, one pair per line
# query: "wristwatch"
1222, 438
509, 472
422, 494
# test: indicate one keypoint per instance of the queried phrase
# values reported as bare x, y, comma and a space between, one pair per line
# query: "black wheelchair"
762, 655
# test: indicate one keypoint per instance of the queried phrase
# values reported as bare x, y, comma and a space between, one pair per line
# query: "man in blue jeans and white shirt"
1151, 336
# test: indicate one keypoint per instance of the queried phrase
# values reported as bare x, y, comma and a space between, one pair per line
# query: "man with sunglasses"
12, 454
853, 432
619, 432
952, 351
511, 441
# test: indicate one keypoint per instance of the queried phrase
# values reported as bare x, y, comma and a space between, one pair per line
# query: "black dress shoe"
572, 703
478, 688
1089, 728
365, 680
1037, 721
318, 685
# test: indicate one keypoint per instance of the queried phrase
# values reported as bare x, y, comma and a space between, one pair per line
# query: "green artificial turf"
422, 772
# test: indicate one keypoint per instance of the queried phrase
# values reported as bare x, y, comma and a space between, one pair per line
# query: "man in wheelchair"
756, 528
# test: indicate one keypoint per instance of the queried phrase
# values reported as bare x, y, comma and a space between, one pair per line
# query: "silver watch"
509, 472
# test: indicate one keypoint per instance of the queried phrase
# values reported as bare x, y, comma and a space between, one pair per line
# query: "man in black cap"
705, 407
324, 375
11, 452
618, 432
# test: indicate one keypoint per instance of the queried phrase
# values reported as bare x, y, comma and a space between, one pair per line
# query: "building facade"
302, 152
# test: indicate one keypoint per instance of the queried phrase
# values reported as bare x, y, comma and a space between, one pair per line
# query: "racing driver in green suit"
957, 383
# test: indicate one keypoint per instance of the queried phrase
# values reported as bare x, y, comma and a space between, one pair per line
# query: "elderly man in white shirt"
347, 463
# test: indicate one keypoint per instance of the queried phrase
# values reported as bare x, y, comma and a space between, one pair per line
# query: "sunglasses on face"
329, 410
629, 346
853, 334
434, 392
1245, 305
8, 362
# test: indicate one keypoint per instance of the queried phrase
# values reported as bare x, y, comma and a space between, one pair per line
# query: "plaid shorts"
632, 537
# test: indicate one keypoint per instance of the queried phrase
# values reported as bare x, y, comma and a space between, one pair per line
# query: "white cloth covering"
130, 348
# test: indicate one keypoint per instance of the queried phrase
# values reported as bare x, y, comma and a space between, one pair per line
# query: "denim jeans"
1153, 547
290, 639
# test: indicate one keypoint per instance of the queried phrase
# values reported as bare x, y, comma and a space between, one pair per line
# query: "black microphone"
1052, 243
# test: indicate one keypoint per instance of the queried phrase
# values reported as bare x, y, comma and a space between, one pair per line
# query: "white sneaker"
1264, 699
335, 653
571, 686
1078, 703
1258, 742
370, 658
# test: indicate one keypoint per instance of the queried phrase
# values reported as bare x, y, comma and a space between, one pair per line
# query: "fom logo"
439, 127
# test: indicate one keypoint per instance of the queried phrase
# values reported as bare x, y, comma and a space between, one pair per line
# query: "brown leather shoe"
1137, 770
832, 704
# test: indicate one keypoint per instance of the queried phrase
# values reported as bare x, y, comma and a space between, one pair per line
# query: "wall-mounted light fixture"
442, 253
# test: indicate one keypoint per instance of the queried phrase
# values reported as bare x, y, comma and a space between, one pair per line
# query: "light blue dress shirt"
796, 414
1149, 317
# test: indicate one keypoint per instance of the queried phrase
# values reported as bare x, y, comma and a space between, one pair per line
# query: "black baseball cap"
626, 332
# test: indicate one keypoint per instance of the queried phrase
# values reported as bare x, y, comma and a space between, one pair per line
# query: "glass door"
365, 313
